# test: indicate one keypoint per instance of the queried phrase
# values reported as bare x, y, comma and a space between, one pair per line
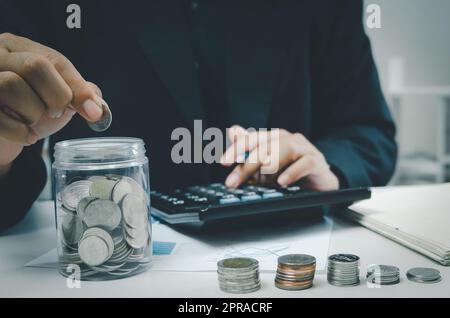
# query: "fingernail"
93, 110
283, 180
32, 138
232, 180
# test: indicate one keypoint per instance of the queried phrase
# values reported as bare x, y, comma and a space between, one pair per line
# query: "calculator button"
228, 200
228, 196
178, 202
293, 189
271, 195
250, 197
217, 185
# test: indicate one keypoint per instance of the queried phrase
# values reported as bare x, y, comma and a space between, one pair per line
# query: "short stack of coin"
295, 272
424, 275
343, 270
103, 224
238, 275
383, 274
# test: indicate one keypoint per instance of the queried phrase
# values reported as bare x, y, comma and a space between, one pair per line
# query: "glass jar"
102, 205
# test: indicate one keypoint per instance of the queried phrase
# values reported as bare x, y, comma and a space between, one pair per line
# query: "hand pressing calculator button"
216, 201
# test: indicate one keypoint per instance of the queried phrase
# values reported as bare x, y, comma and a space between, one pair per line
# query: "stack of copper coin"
295, 271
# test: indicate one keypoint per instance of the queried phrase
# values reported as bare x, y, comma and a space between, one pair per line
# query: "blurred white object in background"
415, 167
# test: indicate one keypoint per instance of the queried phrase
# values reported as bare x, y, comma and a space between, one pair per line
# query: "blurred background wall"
416, 33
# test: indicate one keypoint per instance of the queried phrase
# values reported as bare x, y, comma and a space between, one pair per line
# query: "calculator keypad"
199, 197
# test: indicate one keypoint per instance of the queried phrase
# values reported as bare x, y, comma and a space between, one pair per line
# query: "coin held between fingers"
106, 118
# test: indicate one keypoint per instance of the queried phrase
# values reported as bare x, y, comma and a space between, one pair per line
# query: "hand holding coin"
40, 91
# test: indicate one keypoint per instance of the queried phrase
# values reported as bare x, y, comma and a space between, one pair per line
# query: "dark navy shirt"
206, 26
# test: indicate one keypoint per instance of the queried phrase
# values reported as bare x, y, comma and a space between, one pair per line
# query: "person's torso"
149, 58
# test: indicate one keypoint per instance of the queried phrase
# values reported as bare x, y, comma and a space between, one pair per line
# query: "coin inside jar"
96, 247
72, 228
102, 187
102, 213
74, 193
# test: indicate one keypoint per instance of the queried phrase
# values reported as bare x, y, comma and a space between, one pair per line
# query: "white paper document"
201, 252
415, 216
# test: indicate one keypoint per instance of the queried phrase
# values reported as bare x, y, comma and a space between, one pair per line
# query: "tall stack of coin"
424, 275
103, 226
343, 270
238, 275
383, 274
295, 271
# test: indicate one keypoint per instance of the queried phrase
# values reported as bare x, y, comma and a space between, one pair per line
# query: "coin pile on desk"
238, 275
295, 271
104, 225
343, 270
424, 275
383, 274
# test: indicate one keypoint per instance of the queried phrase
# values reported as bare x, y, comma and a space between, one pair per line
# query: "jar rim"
99, 151
109, 141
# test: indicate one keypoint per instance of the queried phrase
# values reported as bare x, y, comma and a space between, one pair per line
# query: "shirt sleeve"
21, 186
353, 125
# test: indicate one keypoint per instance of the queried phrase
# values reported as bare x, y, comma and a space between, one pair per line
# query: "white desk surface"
35, 235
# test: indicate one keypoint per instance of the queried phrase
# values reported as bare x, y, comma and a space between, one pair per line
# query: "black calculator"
216, 201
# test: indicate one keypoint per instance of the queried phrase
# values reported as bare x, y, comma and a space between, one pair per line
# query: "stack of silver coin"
238, 275
103, 226
295, 271
343, 270
383, 274
424, 275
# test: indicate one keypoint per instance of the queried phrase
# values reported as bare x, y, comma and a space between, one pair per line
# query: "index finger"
246, 143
